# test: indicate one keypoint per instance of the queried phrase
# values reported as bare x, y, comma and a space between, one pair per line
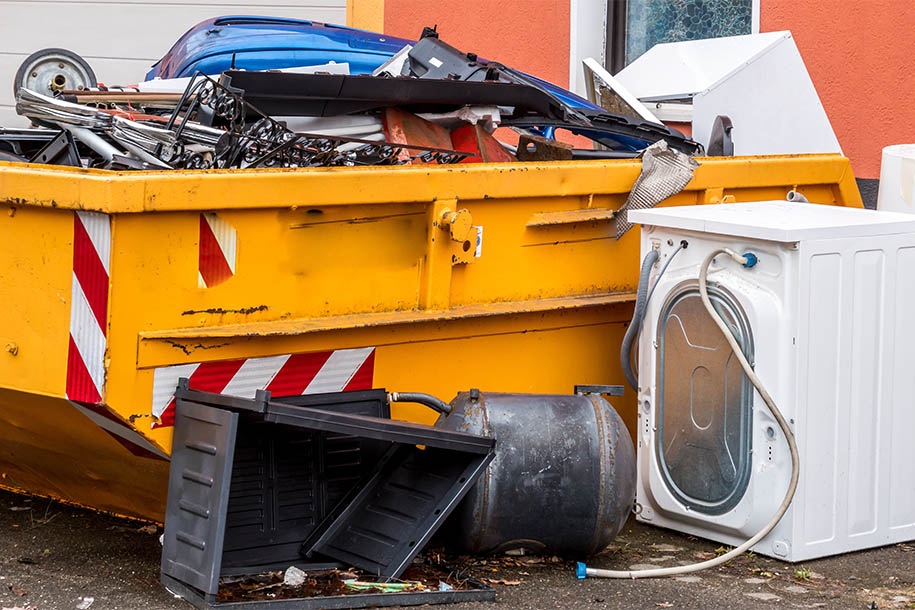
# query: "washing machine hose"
641, 301
584, 571
633, 332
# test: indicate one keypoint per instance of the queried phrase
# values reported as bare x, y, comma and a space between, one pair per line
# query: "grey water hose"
641, 306
641, 300
683, 245
584, 571
436, 404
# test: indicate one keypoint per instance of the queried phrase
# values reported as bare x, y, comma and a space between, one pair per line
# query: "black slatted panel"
383, 526
273, 499
286, 479
347, 459
201, 467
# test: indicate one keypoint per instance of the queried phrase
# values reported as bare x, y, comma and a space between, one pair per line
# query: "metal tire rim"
51, 70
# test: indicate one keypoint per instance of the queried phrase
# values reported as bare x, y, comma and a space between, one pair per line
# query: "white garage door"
121, 39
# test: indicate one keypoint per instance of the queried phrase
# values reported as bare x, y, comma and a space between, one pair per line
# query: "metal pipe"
144, 156
585, 154
120, 97
430, 401
93, 141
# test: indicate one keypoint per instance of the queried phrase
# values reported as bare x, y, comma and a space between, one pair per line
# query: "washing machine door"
704, 401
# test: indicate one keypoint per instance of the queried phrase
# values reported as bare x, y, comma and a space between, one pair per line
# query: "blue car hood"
269, 43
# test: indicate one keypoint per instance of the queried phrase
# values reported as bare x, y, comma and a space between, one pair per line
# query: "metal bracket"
716, 195
609, 390
457, 223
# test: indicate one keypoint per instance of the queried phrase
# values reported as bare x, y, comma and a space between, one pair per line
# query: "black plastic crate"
254, 482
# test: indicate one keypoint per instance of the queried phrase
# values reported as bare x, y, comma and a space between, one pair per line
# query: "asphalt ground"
54, 556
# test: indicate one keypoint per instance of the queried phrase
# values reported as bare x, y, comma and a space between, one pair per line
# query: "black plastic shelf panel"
286, 479
384, 524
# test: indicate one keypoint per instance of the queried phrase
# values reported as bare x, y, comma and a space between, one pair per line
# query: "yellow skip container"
429, 279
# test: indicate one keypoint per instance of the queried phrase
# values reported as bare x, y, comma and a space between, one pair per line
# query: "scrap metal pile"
430, 103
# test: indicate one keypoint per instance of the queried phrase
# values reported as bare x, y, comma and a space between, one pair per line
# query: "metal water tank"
563, 479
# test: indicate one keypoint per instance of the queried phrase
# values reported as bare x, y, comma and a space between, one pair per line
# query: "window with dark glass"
634, 26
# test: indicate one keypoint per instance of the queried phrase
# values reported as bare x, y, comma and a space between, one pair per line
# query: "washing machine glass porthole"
704, 401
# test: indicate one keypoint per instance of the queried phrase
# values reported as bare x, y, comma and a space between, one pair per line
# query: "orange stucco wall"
859, 55
530, 35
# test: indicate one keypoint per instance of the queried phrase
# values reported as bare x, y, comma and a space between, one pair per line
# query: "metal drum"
563, 480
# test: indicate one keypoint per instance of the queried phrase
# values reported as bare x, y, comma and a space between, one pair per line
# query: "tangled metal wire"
266, 142
227, 133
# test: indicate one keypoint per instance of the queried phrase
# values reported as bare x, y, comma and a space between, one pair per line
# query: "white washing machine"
827, 319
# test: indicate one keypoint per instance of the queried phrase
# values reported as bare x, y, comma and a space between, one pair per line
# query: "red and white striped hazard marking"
89, 307
287, 375
89, 329
216, 262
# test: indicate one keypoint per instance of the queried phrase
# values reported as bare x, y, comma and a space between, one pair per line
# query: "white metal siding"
121, 39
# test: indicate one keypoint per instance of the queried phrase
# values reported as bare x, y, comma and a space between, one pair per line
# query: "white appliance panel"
833, 340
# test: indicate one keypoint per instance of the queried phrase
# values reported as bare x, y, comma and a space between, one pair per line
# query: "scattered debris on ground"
119, 568
271, 585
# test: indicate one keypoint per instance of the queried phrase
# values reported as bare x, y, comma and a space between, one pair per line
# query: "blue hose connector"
581, 571
751, 260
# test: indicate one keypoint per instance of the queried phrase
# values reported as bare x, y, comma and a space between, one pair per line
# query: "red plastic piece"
404, 127
474, 139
